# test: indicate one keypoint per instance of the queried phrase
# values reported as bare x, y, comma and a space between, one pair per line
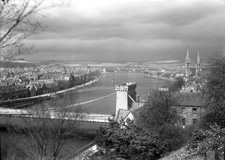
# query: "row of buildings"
21, 87
32, 80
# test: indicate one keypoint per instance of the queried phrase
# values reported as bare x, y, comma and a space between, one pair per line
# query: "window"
183, 121
195, 121
194, 110
183, 110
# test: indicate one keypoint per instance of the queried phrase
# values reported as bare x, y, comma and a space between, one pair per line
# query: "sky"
131, 30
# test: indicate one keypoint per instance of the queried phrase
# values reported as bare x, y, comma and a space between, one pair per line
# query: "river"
106, 86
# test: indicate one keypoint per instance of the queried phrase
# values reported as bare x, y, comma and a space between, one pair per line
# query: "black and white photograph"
112, 79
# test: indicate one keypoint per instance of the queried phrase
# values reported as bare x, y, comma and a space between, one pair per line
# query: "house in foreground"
190, 106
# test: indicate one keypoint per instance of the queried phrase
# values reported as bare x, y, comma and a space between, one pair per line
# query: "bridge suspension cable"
93, 100
86, 102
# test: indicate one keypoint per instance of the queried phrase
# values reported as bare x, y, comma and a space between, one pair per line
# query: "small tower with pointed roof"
187, 65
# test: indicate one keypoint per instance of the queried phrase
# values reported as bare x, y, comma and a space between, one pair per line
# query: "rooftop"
189, 99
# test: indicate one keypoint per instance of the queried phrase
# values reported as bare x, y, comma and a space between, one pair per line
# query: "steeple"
187, 60
187, 65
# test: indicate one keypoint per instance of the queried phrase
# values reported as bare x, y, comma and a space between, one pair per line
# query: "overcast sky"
132, 30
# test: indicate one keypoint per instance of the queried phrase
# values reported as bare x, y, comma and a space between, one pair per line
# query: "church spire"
187, 60
187, 64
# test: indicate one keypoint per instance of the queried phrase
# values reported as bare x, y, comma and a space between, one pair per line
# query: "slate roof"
188, 99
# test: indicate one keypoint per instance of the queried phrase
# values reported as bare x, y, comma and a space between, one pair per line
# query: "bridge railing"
100, 118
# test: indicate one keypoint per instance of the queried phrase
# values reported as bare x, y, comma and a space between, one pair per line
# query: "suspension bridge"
55, 112
90, 111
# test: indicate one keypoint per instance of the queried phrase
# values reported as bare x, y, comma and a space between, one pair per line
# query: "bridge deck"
101, 118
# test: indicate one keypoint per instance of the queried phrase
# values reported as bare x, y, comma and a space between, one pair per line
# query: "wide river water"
106, 86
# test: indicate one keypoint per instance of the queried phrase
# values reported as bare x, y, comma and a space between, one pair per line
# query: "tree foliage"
214, 95
129, 141
204, 140
177, 84
212, 116
159, 116
153, 134
158, 111
215, 86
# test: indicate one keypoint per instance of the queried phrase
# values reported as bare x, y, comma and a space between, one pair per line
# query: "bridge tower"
125, 96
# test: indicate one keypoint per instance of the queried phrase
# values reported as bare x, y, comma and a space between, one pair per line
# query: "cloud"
181, 13
132, 30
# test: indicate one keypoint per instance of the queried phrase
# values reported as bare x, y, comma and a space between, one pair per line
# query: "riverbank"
76, 87
38, 98
159, 77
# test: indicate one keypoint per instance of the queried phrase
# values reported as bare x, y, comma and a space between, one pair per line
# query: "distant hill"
168, 61
20, 61
17, 63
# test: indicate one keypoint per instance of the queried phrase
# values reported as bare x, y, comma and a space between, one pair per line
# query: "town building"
189, 106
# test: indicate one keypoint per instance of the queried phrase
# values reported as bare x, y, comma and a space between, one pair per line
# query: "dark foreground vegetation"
151, 136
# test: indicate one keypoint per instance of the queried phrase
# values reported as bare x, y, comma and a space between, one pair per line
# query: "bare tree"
43, 136
19, 20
